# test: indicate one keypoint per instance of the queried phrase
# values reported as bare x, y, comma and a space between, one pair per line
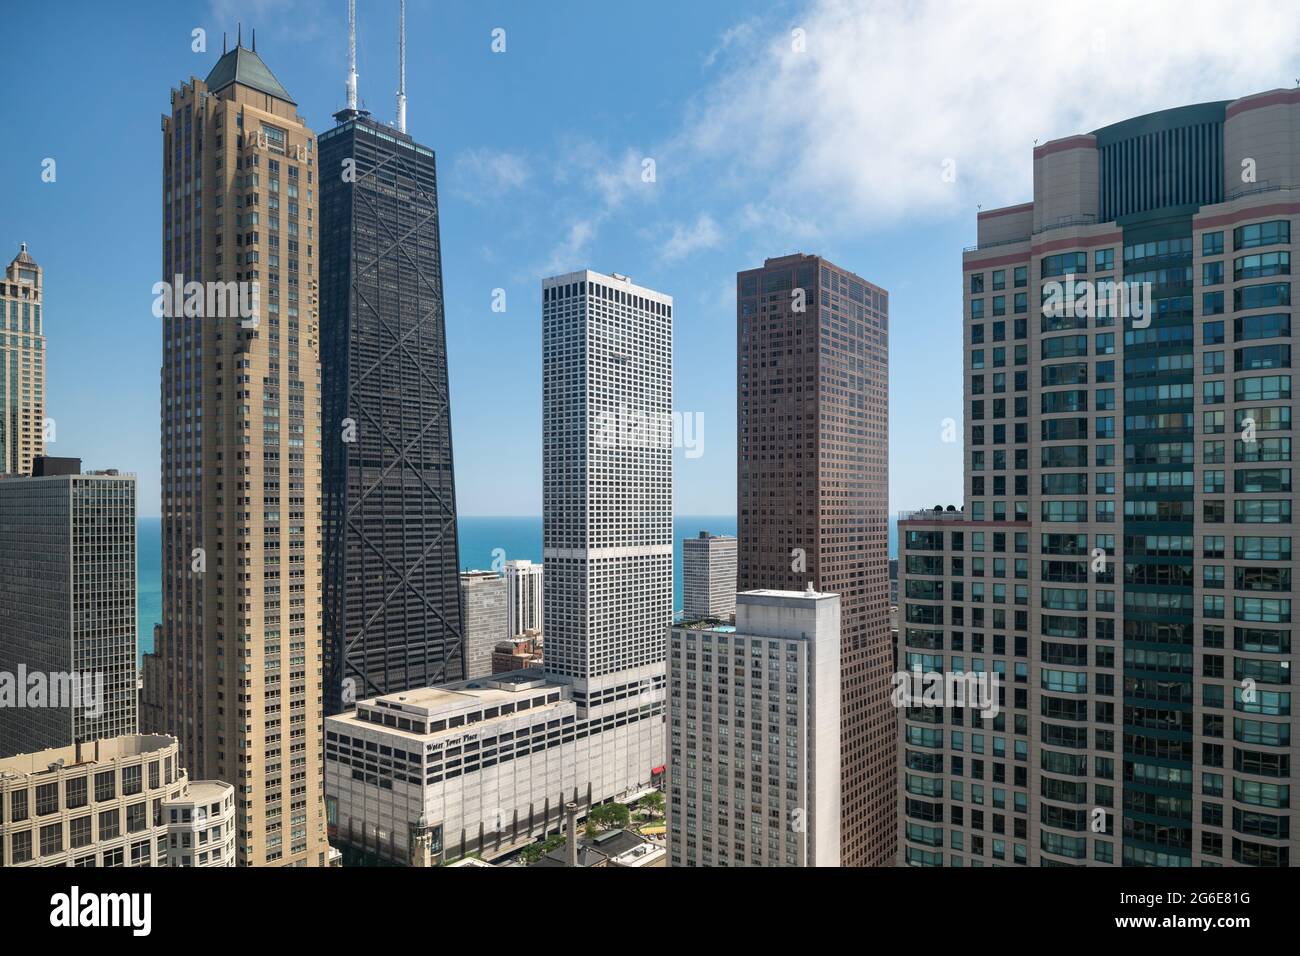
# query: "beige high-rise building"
117, 802
241, 454
22, 366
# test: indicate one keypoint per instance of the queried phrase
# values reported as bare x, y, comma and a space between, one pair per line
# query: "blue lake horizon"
518, 536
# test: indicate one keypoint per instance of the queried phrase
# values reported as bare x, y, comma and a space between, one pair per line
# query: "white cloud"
568, 254
702, 234
485, 175
740, 33
854, 132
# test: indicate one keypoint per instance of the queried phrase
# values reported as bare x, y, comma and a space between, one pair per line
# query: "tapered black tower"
392, 612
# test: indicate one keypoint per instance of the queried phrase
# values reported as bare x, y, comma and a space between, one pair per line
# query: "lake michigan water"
480, 536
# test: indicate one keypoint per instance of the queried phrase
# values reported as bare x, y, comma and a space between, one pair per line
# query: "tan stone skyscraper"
241, 454
22, 366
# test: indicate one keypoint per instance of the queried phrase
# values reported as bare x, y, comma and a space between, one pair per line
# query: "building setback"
812, 347
241, 457
709, 576
483, 611
22, 365
754, 725
68, 606
1125, 557
392, 612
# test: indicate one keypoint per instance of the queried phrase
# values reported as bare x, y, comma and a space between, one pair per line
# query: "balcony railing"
929, 514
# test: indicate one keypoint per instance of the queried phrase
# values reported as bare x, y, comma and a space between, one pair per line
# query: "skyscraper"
773, 677
67, 606
607, 474
241, 454
1125, 554
607, 494
22, 365
709, 576
813, 485
392, 611
523, 597
485, 765
483, 611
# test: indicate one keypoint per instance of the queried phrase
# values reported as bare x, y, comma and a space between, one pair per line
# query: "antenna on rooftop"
352, 54
401, 67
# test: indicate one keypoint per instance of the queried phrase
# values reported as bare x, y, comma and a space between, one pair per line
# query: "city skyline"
1083, 660
510, 167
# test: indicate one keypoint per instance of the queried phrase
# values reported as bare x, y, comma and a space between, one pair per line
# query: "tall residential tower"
241, 455
812, 416
1125, 558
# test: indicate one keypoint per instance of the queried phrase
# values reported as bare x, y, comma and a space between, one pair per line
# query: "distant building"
67, 607
709, 576
523, 597
781, 733
483, 615
523, 650
893, 582
22, 365
124, 801
153, 705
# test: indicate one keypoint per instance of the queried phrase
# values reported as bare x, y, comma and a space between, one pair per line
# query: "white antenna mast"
401, 67
352, 54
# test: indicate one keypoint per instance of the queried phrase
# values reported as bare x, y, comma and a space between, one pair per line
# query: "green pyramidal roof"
242, 65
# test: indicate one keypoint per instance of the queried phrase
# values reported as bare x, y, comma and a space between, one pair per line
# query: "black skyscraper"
392, 612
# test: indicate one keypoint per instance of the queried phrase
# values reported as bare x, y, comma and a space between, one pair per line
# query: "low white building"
754, 723
431, 774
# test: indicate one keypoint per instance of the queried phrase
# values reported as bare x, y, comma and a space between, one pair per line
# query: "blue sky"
818, 126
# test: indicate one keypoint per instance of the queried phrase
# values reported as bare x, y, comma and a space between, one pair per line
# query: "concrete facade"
483, 618
744, 792
487, 765
709, 576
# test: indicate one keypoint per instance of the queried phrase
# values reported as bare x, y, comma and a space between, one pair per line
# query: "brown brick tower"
813, 496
